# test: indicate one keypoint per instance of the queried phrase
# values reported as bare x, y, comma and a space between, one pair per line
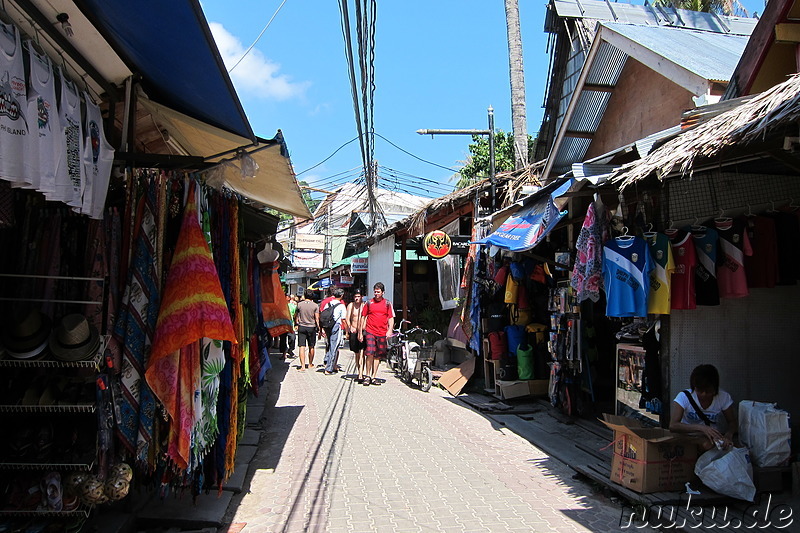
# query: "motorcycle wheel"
406, 376
425, 379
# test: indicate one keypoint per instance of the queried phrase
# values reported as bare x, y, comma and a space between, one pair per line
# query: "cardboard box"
649, 459
512, 389
539, 387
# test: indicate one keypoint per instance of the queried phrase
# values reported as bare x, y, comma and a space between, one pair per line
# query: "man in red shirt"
377, 323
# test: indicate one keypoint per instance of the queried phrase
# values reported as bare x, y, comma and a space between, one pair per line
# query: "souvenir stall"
136, 305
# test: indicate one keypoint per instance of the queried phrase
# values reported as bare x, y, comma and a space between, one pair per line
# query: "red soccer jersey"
378, 315
685, 258
734, 245
761, 268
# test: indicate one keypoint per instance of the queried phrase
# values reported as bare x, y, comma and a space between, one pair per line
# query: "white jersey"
44, 143
70, 173
13, 106
98, 158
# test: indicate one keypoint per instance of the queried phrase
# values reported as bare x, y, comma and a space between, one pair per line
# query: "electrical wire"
415, 156
333, 154
400, 173
257, 38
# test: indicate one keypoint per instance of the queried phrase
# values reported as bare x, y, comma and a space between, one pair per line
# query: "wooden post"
404, 277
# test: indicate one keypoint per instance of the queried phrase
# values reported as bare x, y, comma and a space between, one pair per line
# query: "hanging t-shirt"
44, 144
761, 268
69, 170
13, 107
705, 274
658, 300
788, 234
734, 246
685, 257
98, 158
626, 267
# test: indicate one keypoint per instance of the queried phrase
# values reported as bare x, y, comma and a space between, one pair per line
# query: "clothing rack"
50, 300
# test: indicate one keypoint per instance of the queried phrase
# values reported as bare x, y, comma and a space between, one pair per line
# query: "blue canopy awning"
531, 223
169, 44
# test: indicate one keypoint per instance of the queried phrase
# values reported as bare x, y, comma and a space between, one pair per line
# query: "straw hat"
25, 335
74, 339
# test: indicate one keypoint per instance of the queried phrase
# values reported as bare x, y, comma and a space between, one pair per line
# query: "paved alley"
339, 457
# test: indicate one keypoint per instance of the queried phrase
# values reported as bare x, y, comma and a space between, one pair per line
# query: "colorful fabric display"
658, 300
587, 275
14, 120
626, 267
192, 308
734, 246
683, 277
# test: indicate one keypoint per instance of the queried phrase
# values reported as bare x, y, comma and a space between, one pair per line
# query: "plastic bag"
765, 430
727, 472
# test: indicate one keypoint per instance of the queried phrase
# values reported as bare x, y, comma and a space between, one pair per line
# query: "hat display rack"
31, 341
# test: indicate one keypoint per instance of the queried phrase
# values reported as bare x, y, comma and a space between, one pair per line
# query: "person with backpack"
307, 320
377, 323
333, 321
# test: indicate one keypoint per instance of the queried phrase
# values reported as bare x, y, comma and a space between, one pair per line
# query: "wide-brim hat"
25, 335
74, 339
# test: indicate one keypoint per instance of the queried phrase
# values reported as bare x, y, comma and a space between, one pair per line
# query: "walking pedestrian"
354, 309
288, 339
336, 333
307, 320
377, 323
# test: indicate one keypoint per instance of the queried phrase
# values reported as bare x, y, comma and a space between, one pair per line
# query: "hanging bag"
512, 289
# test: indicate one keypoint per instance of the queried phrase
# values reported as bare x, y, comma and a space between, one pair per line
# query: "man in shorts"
377, 323
307, 320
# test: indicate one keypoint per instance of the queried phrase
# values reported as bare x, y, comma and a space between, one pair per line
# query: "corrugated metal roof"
607, 66
720, 52
589, 111
652, 16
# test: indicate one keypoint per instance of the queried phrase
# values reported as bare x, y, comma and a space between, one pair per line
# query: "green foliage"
721, 7
432, 317
477, 165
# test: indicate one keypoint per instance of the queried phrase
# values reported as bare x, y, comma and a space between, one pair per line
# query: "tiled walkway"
340, 457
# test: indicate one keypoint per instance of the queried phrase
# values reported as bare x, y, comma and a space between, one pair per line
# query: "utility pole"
490, 134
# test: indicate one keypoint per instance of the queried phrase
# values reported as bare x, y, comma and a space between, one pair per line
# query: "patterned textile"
587, 276
133, 332
192, 308
212, 361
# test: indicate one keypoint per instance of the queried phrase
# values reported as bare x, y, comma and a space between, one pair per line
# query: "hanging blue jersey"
626, 270
706, 287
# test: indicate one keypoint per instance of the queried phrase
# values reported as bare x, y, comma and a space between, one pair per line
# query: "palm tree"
517, 76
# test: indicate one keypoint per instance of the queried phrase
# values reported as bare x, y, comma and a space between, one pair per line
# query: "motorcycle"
419, 359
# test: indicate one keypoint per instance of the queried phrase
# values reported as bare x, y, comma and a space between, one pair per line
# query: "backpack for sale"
326, 319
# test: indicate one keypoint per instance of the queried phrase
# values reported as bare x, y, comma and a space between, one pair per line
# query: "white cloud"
256, 74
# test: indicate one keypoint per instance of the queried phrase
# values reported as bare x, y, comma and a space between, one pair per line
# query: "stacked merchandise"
153, 316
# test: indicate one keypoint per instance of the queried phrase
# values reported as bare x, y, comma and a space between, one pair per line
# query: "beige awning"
274, 184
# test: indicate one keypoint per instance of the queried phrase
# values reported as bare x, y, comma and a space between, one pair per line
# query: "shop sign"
307, 241
346, 280
437, 244
294, 276
358, 265
307, 259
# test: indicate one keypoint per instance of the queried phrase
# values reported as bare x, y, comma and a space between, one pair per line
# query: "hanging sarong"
192, 308
134, 332
274, 308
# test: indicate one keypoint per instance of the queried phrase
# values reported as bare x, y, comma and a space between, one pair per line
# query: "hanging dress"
274, 308
587, 276
13, 107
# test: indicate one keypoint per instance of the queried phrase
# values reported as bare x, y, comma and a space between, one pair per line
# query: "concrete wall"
629, 116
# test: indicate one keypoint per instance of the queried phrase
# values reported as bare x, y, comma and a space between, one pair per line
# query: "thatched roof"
746, 123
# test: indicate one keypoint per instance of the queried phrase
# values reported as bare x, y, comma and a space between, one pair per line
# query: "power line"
415, 156
333, 154
400, 173
257, 38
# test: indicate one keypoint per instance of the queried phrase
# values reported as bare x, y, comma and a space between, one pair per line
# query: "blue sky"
438, 64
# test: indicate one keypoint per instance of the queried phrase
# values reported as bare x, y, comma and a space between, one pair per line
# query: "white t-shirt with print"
720, 402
